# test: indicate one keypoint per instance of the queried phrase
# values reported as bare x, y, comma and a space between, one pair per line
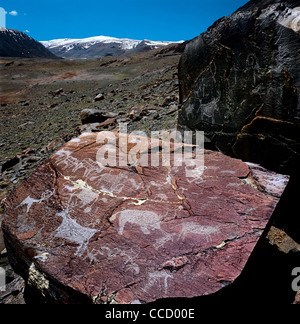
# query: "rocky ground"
41, 101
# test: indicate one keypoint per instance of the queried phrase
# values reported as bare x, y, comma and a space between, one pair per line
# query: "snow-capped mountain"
99, 46
14, 43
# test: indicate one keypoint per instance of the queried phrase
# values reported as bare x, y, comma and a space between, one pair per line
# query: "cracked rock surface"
81, 232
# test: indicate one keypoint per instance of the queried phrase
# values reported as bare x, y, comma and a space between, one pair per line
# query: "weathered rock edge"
81, 233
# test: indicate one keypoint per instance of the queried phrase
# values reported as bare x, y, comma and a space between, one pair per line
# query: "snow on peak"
125, 43
87, 42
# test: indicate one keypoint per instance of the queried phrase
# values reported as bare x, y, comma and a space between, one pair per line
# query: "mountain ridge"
100, 46
14, 43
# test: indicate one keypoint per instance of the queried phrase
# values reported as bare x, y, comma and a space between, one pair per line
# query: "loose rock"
137, 113
89, 116
99, 97
10, 164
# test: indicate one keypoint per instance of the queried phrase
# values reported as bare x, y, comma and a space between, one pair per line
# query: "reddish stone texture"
80, 232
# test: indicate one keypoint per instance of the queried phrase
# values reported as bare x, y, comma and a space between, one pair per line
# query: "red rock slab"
81, 232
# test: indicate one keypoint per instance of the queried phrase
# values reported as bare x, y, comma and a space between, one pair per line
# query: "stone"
81, 232
155, 114
12, 163
89, 116
168, 100
297, 299
137, 113
240, 80
108, 123
99, 97
54, 145
97, 127
56, 92
59, 91
284, 242
14, 293
33, 159
28, 151
89, 128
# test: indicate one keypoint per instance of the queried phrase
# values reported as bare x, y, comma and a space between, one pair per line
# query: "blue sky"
169, 20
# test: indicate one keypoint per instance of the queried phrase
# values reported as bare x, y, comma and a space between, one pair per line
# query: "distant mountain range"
100, 46
14, 43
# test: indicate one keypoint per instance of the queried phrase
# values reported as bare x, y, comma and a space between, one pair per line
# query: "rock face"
240, 81
81, 232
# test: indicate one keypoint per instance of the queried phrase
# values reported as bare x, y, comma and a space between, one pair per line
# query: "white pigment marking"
70, 230
80, 184
192, 228
146, 220
87, 197
29, 201
157, 278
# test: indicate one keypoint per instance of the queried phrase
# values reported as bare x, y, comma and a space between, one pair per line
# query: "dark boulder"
89, 116
240, 81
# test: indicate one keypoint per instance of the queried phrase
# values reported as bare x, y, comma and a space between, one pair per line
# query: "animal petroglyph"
159, 278
146, 220
192, 228
70, 230
29, 201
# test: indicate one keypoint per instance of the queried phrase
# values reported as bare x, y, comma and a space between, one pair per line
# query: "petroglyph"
80, 184
87, 197
193, 228
146, 220
164, 239
70, 230
24, 225
66, 161
159, 278
29, 201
